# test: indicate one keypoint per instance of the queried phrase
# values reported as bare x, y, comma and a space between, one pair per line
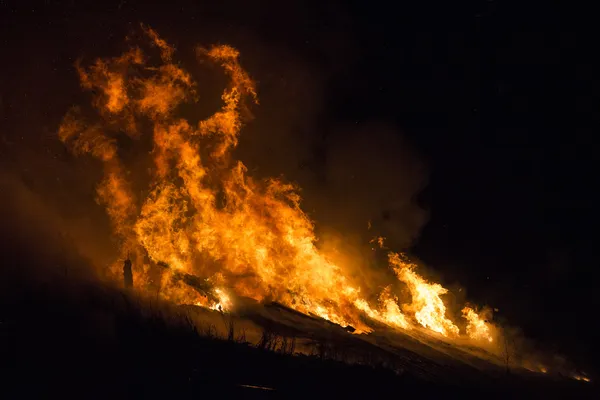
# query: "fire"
429, 308
391, 311
203, 228
224, 303
380, 240
581, 378
477, 328
219, 301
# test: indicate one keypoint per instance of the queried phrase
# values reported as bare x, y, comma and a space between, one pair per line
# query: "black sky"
500, 99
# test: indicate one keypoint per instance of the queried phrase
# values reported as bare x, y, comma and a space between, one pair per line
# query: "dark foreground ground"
66, 336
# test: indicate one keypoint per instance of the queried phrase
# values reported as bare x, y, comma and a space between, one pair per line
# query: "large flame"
203, 222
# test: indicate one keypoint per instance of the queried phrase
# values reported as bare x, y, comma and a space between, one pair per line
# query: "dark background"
493, 102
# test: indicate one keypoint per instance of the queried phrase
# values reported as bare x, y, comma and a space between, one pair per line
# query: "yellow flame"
391, 311
477, 328
224, 303
429, 308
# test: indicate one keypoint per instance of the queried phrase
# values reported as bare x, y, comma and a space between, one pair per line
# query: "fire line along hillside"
214, 280
76, 336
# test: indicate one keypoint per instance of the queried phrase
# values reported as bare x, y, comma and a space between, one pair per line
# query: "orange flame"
581, 378
203, 216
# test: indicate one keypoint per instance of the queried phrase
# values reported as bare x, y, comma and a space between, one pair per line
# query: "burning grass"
86, 338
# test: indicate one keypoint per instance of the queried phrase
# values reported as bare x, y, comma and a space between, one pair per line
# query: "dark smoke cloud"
350, 174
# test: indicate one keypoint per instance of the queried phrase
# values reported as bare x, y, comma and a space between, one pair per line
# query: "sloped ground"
431, 360
65, 333
77, 338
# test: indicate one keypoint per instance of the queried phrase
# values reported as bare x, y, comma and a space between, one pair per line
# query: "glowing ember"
379, 240
477, 328
581, 378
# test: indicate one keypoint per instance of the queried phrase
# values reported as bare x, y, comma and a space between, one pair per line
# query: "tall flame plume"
203, 216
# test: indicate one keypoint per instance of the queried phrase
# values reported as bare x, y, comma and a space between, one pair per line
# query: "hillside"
76, 337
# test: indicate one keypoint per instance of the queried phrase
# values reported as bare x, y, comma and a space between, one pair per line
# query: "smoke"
368, 188
343, 171
37, 239
375, 176
358, 180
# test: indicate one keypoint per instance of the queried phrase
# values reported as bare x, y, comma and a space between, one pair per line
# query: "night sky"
498, 99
